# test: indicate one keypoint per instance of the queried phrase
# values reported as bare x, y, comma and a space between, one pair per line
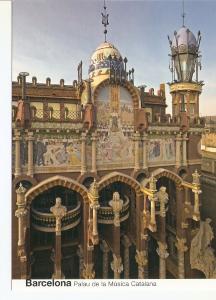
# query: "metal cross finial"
183, 14
105, 20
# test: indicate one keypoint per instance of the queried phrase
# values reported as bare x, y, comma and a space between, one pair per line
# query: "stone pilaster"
116, 266
81, 260
145, 151
105, 249
17, 140
142, 261
178, 150
163, 254
83, 153
59, 211
136, 151
30, 154
126, 243
184, 148
94, 153
182, 248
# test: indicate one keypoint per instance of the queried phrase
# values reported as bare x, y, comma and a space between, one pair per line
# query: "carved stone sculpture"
201, 254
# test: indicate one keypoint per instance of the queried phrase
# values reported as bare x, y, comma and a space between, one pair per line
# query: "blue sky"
50, 37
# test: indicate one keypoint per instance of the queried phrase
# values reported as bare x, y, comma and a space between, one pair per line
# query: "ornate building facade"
105, 183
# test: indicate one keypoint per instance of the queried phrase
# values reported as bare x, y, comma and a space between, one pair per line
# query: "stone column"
59, 211
152, 199
94, 153
145, 151
136, 151
105, 249
181, 263
163, 254
21, 213
94, 205
197, 191
30, 154
126, 243
185, 149
81, 260
142, 261
116, 266
178, 150
17, 140
83, 153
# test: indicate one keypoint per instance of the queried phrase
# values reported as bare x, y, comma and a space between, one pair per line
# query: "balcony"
46, 221
106, 215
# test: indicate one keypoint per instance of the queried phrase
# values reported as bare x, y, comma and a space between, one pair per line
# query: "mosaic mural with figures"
56, 152
161, 150
115, 117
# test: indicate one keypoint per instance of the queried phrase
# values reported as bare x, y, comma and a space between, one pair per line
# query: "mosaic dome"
185, 38
103, 58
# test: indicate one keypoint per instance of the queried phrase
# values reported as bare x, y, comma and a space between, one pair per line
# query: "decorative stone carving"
181, 262
116, 203
196, 190
163, 254
163, 199
201, 254
59, 211
88, 271
116, 266
141, 258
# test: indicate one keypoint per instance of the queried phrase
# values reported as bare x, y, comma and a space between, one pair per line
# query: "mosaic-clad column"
136, 151
17, 140
59, 211
116, 266
185, 149
30, 153
178, 150
182, 248
142, 261
83, 153
163, 254
94, 153
126, 243
145, 151
21, 213
105, 249
81, 260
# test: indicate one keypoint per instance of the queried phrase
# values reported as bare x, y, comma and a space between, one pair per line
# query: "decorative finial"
183, 14
105, 20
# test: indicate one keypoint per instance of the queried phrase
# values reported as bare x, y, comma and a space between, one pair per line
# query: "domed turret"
105, 57
184, 52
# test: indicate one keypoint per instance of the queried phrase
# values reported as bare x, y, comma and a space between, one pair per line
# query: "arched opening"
113, 236
169, 235
42, 233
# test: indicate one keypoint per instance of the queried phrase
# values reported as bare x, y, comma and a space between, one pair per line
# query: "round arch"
30, 179
165, 173
126, 84
54, 181
117, 176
